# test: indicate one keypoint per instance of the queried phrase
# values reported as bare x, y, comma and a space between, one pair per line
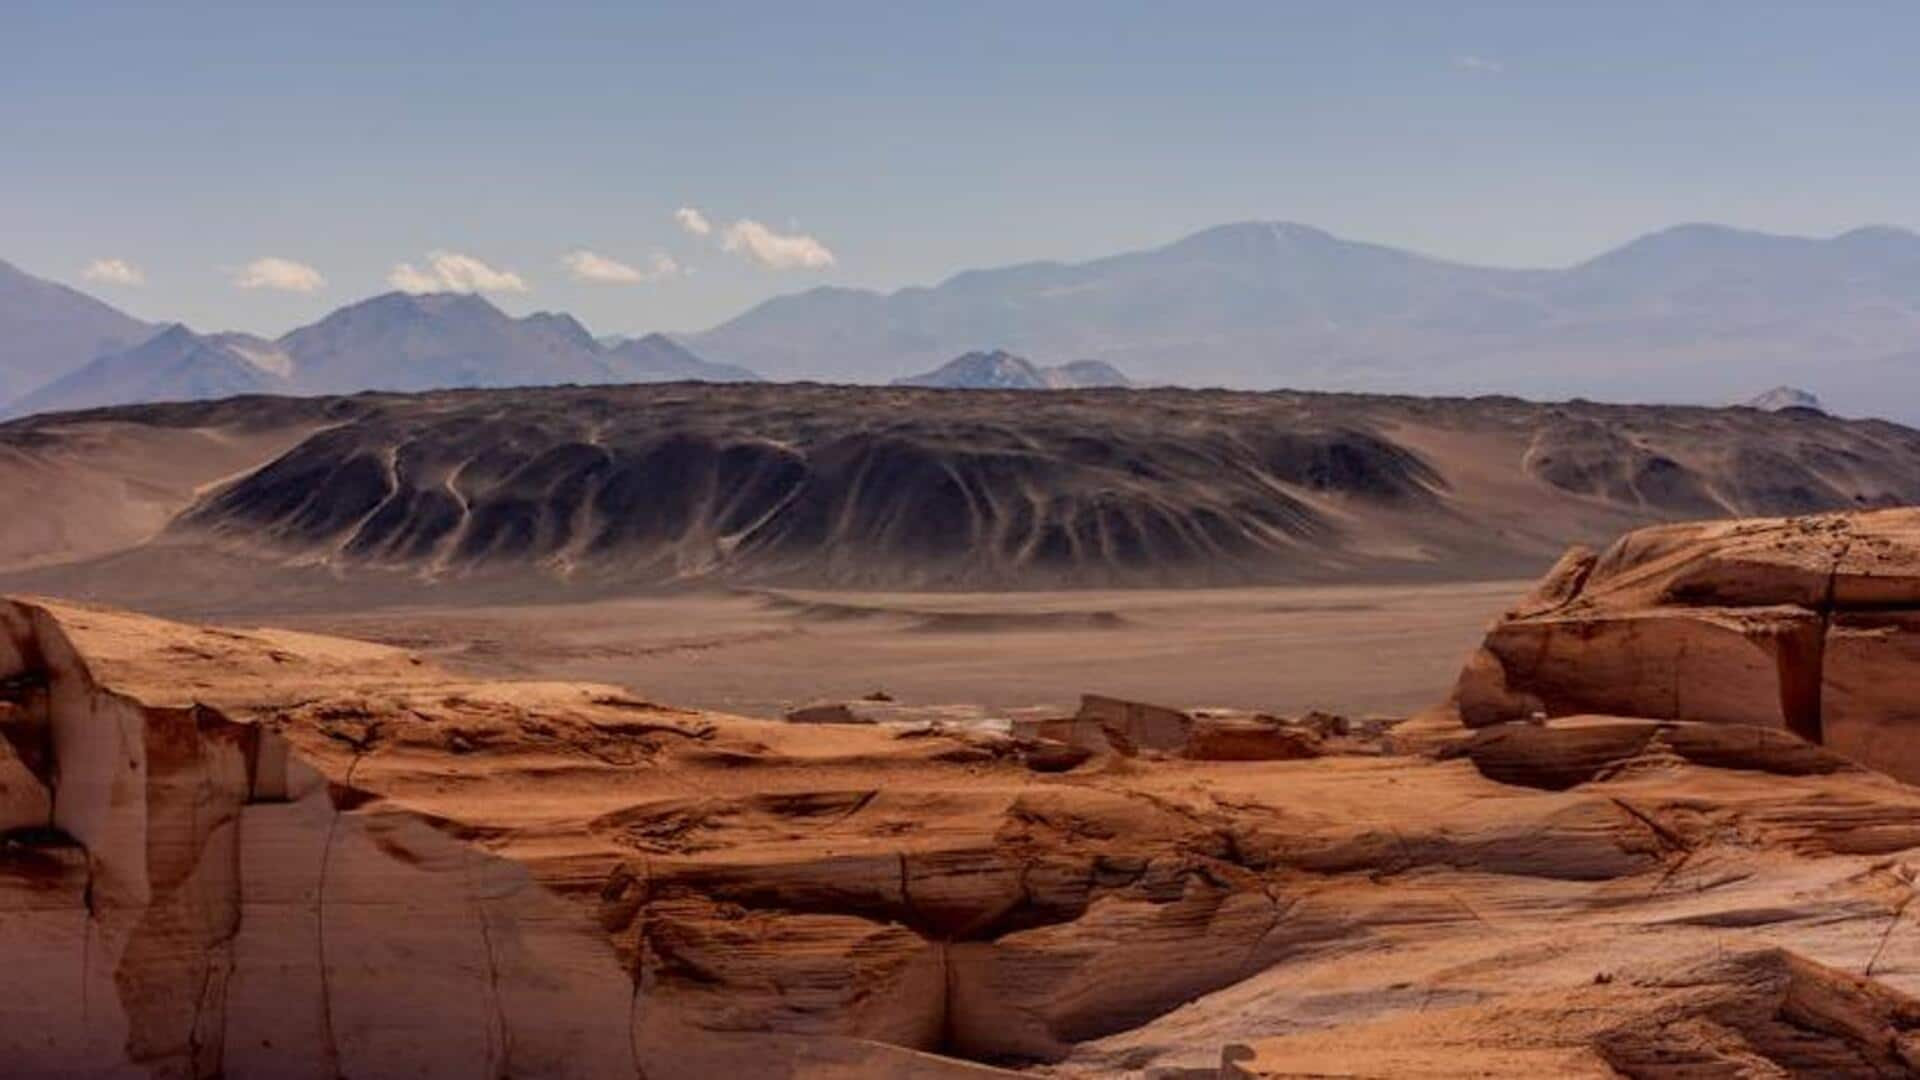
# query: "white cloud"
693, 221
114, 272
282, 275
450, 271
598, 269
777, 251
409, 278
1479, 64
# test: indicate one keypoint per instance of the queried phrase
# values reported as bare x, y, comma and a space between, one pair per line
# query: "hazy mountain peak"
421, 341
1887, 247
175, 364
999, 369
432, 305
1696, 240
564, 326
266, 355
1272, 233
996, 369
1087, 374
174, 334
47, 330
656, 357
1686, 313
1785, 397
1879, 234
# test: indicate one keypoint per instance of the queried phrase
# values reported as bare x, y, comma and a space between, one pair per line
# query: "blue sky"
905, 140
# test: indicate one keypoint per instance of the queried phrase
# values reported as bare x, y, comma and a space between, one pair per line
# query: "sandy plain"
1354, 649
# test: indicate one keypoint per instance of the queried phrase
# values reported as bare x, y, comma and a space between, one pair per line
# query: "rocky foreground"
271, 854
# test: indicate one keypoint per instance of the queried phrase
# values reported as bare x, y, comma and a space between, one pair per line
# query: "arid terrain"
752, 548
276, 853
1358, 648
1234, 541
574, 492
573, 732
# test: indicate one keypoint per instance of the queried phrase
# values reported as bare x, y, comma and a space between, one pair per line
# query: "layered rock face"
183, 892
1755, 1013
1809, 624
260, 853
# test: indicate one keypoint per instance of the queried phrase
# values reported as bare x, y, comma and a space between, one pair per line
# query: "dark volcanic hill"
636, 486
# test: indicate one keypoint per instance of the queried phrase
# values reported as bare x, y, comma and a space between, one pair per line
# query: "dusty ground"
1351, 649
278, 854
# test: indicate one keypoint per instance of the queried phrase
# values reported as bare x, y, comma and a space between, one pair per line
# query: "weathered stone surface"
25, 802
1800, 624
1758, 1013
1105, 725
1560, 754
1249, 739
1137, 725
1704, 664
227, 909
295, 856
1870, 699
828, 712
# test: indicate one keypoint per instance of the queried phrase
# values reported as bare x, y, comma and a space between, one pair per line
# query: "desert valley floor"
1355, 649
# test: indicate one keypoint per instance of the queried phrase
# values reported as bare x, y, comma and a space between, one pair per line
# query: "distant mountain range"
397, 341
1001, 370
1695, 313
47, 330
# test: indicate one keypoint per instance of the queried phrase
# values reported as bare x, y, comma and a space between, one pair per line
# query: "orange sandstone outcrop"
1811, 625
260, 853
1758, 1013
1106, 725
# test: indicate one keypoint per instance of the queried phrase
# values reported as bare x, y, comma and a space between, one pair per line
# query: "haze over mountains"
1695, 313
396, 341
1785, 397
47, 330
1001, 370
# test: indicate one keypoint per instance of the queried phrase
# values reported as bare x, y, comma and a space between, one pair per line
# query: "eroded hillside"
908, 488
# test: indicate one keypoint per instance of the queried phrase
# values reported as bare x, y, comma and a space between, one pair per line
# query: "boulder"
1136, 725
875, 710
1806, 625
830, 712
1252, 738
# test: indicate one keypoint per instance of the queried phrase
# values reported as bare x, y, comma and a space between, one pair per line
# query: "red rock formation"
1760, 1013
270, 854
1806, 624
